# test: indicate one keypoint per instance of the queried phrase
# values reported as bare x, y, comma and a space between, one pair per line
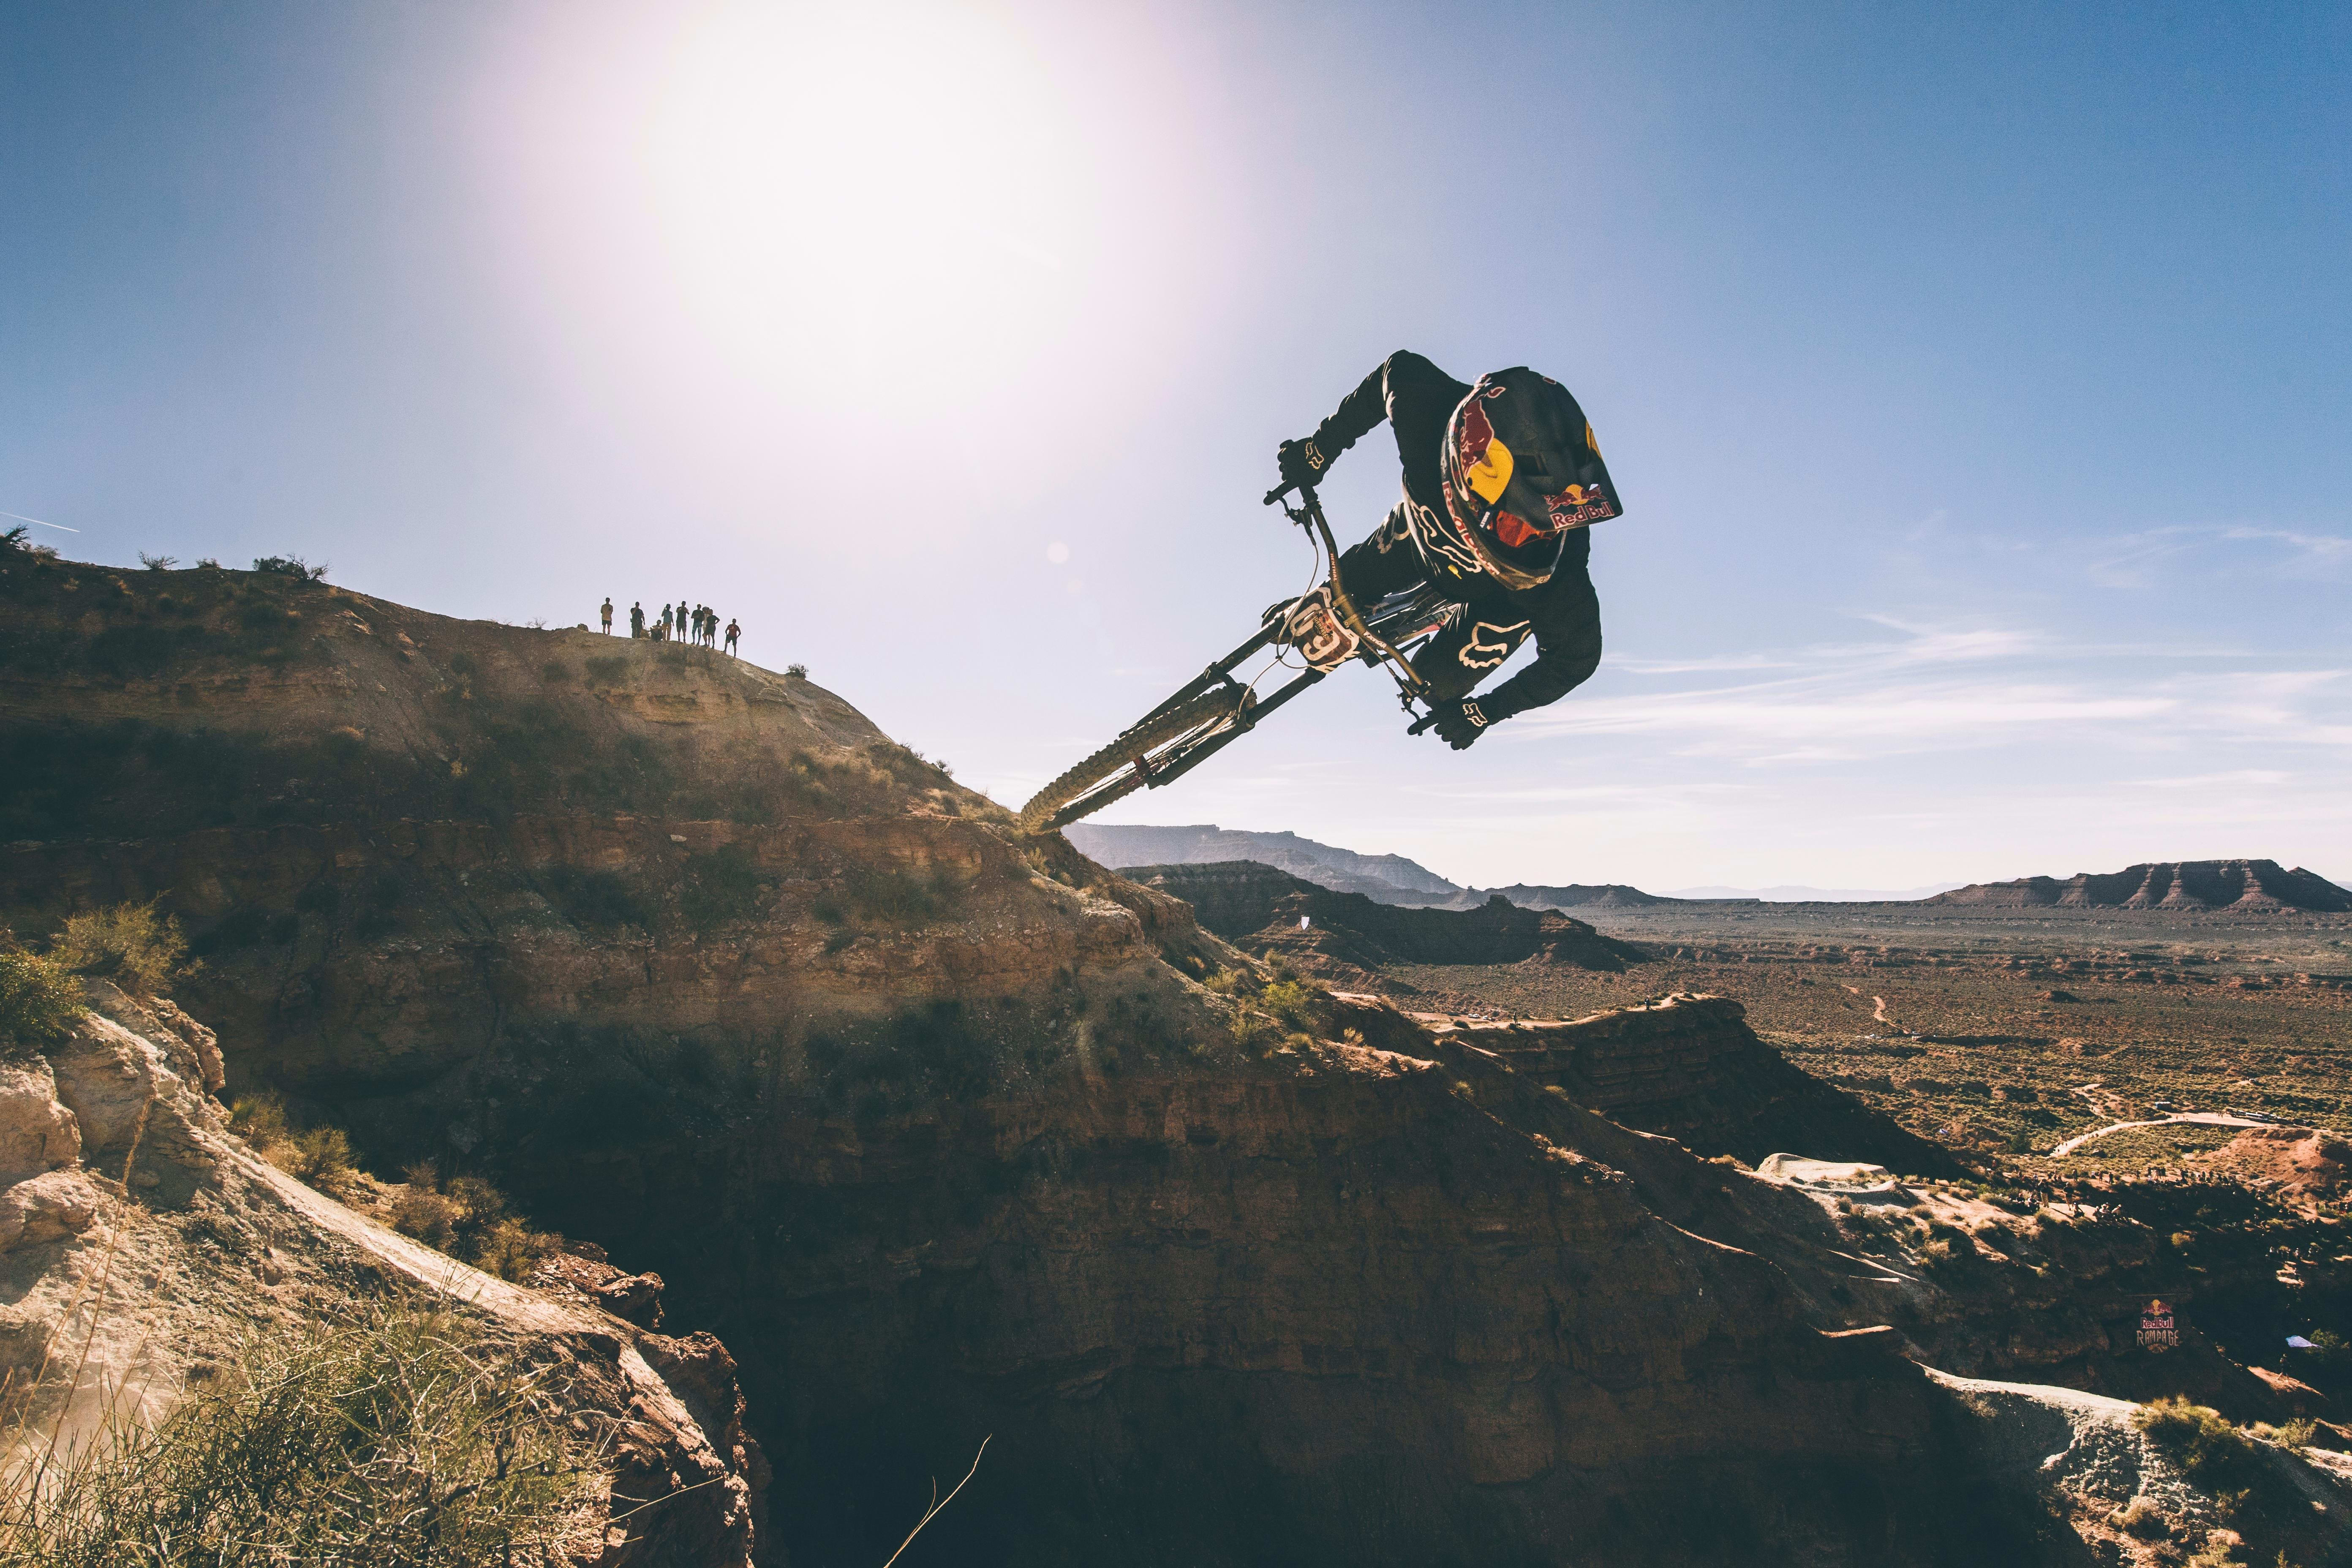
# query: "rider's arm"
1568, 650
1402, 375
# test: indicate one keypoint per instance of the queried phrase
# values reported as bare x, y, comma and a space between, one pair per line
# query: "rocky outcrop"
1689, 1067
2249, 887
2119, 1494
37, 1132
950, 1135
119, 1295
1261, 908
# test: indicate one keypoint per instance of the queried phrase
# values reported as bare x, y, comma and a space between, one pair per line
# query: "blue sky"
1975, 377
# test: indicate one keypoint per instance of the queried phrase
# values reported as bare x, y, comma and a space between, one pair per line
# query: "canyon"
952, 1136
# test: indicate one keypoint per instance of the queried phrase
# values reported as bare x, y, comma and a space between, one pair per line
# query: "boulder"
36, 1133
46, 1208
135, 1112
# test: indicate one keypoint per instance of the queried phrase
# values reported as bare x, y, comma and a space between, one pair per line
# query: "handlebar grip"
1276, 493
1423, 722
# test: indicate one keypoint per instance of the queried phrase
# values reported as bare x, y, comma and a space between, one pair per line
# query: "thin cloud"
2133, 560
1943, 688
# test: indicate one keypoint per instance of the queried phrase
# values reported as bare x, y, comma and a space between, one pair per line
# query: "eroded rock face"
1690, 1068
940, 1130
141, 1120
36, 1133
214, 1239
47, 1207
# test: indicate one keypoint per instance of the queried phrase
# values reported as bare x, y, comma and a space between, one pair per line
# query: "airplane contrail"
20, 516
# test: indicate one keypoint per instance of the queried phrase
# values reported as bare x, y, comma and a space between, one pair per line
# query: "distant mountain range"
2242, 885
2245, 885
1798, 893
1386, 878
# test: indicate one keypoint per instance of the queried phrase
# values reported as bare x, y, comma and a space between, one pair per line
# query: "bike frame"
1407, 616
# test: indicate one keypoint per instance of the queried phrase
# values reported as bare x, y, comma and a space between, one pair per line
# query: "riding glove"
1303, 462
1459, 721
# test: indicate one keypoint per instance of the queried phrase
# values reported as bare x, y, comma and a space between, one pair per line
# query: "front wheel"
1132, 761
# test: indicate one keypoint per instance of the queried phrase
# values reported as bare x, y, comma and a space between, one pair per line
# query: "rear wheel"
1127, 765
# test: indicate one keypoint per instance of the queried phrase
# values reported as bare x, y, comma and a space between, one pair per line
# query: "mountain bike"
1215, 709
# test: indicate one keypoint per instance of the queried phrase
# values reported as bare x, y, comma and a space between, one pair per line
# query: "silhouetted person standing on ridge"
607, 613
734, 632
637, 619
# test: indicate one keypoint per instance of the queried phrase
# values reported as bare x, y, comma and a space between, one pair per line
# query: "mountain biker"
1501, 479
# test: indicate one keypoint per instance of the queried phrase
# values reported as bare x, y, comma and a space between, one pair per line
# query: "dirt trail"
2202, 1118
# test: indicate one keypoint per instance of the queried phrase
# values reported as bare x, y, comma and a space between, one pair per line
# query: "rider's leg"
1374, 567
1471, 647
1384, 563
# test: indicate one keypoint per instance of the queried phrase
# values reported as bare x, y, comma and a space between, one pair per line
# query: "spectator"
665, 623
607, 613
709, 626
733, 632
637, 619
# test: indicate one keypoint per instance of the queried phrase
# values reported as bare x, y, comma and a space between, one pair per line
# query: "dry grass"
394, 1433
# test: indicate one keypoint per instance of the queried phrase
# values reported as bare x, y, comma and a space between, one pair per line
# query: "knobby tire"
1045, 809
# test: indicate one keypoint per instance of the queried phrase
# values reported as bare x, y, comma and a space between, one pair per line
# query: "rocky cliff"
951, 1135
141, 1246
1690, 1068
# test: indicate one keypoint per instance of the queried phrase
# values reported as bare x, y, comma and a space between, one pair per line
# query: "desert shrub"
797, 671
2297, 1434
158, 563
2142, 1517
606, 670
39, 1000
469, 1219
555, 672
292, 566
2197, 1437
259, 1118
321, 1156
428, 1216
389, 1433
127, 943
1290, 1003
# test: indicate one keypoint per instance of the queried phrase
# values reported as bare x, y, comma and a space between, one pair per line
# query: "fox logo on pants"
1490, 644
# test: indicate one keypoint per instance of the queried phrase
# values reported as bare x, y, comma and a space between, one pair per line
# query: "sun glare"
860, 184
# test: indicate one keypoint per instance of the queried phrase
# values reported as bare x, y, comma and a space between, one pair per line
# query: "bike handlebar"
1279, 491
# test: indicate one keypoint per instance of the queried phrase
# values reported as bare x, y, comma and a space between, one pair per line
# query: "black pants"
1482, 633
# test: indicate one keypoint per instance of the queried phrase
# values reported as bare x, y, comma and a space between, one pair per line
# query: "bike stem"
1309, 514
